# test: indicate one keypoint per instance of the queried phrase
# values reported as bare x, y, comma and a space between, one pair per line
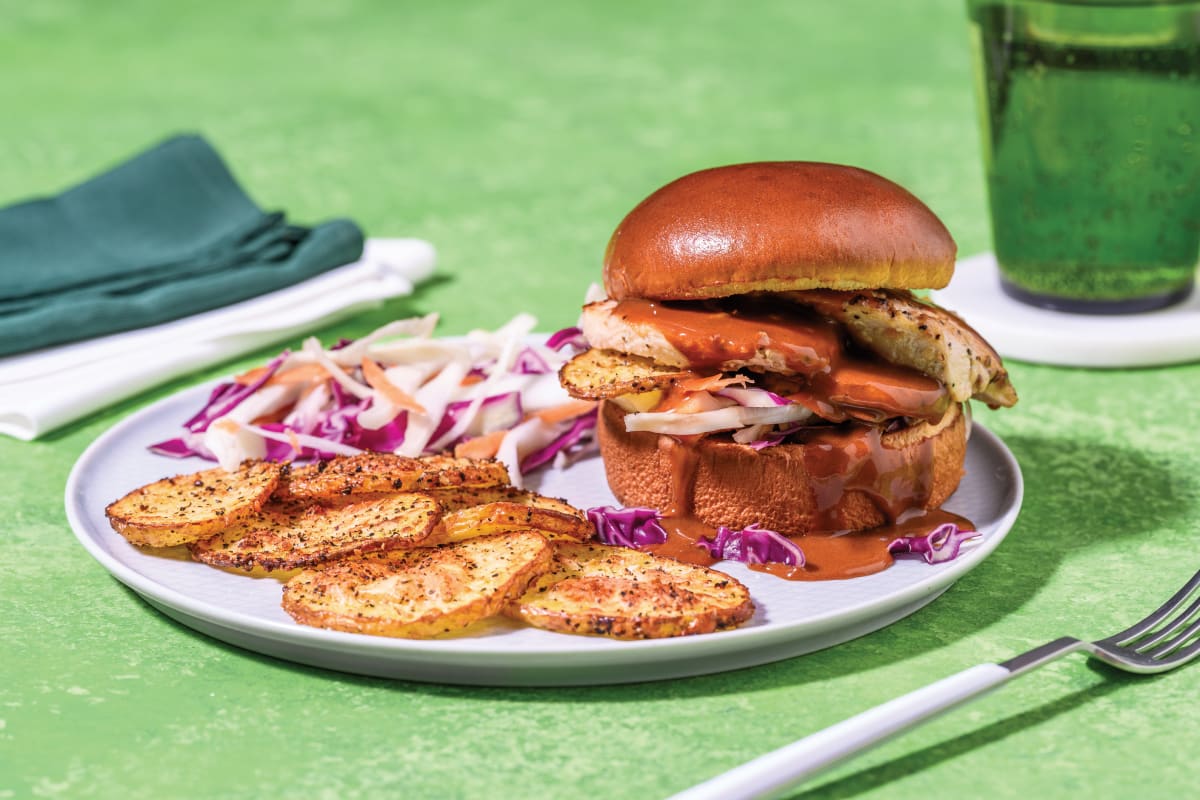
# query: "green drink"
1091, 123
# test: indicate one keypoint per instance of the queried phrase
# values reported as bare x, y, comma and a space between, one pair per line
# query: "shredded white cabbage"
722, 419
304, 440
231, 442
319, 354
434, 396
490, 381
227, 438
531, 435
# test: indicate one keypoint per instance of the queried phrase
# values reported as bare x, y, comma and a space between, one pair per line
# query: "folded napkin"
164, 235
43, 390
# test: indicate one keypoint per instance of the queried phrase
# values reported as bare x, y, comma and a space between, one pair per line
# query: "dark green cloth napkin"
164, 235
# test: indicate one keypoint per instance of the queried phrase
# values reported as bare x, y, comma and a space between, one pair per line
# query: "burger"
762, 359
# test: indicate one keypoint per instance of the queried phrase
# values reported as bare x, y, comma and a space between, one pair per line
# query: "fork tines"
1156, 637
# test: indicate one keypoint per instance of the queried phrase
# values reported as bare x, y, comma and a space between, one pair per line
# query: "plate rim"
416, 650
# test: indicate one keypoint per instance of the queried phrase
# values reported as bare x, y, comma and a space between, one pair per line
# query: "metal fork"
1164, 640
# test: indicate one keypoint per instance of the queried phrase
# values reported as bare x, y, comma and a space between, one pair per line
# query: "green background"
515, 136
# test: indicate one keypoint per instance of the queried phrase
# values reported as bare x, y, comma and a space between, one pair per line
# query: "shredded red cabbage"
177, 448
219, 394
282, 451
582, 427
753, 545
335, 423
777, 437
627, 527
942, 544
329, 411
567, 337
639, 527
228, 396
497, 412
381, 440
529, 362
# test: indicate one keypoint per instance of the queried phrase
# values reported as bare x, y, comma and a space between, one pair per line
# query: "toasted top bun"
773, 227
735, 485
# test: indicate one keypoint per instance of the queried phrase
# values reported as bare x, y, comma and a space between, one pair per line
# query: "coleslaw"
400, 390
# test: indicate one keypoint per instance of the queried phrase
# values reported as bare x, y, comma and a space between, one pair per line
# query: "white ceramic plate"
792, 617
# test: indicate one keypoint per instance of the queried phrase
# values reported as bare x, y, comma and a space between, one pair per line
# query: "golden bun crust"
736, 486
773, 227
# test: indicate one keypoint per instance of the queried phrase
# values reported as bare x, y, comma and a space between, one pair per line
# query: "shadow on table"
1076, 494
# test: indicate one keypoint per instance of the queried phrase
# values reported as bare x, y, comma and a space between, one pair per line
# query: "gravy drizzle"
839, 458
840, 385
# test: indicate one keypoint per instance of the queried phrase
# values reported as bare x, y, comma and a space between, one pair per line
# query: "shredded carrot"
227, 425
712, 383
250, 376
274, 416
377, 380
470, 379
684, 402
305, 373
568, 410
485, 446
294, 440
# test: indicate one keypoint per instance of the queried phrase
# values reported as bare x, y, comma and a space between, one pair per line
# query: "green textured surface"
515, 136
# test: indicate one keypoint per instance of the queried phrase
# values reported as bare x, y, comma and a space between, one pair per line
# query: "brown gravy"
852, 458
830, 557
839, 458
710, 335
682, 527
682, 534
834, 556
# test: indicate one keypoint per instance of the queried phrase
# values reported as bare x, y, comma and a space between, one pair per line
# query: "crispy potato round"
456, 498
479, 512
503, 517
373, 473
291, 534
598, 374
422, 593
187, 508
627, 594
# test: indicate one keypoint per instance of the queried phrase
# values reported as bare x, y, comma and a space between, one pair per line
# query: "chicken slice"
911, 332
898, 326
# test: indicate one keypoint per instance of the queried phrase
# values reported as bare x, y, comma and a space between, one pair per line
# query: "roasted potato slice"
546, 518
374, 473
456, 498
186, 508
627, 594
291, 534
478, 512
601, 374
417, 594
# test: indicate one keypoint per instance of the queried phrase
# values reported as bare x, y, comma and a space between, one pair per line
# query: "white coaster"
1168, 336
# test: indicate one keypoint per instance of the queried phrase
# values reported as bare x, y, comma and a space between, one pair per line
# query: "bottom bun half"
735, 485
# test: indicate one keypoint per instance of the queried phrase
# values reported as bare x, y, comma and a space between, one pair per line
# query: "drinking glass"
1090, 119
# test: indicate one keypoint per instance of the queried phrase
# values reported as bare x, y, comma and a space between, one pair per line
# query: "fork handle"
792, 764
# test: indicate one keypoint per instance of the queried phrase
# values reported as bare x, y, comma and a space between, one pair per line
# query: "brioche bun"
736, 485
773, 227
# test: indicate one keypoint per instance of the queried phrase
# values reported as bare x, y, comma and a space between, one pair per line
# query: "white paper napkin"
43, 390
